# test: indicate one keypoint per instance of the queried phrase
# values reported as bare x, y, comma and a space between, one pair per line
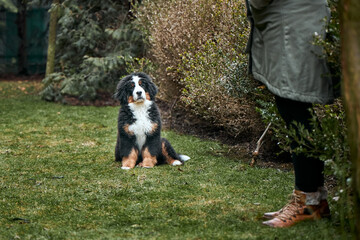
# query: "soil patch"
183, 121
178, 118
12, 77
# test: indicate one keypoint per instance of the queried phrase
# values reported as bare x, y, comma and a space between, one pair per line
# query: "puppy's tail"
170, 153
184, 158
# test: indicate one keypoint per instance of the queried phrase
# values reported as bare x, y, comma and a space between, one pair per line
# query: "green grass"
58, 180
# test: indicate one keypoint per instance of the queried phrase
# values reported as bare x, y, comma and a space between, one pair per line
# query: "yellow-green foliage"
199, 46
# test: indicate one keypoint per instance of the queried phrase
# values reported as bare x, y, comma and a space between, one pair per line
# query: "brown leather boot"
324, 207
324, 211
297, 210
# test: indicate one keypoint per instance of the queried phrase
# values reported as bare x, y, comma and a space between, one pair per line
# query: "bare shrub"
198, 46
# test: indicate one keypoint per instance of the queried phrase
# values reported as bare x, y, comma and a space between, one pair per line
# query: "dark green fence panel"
36, 41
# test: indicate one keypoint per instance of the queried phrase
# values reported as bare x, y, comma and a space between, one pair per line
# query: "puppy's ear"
121, 93
152, 88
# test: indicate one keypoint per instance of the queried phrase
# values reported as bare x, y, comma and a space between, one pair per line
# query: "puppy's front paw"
145, 165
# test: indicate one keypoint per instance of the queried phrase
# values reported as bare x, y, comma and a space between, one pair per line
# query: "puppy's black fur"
139, 139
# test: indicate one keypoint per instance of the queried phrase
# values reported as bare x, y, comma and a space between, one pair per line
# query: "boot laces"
291, 209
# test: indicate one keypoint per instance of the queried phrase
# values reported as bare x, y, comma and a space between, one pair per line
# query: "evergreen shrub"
95, 41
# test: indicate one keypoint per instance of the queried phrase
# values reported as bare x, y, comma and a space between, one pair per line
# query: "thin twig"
258, 145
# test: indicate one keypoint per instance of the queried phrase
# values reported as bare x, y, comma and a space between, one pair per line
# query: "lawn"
58, 180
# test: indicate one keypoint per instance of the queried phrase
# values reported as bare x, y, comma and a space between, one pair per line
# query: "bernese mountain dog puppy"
139, 139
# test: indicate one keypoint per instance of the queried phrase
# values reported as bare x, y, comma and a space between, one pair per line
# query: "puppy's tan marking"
168, 159
131, 99
148, 160
147, 96
154, 127
130, 161
126, 129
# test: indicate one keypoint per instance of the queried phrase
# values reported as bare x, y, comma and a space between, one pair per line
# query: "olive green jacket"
282, 54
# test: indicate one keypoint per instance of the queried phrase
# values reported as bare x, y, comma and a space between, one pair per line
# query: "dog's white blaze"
138, 88
143, 124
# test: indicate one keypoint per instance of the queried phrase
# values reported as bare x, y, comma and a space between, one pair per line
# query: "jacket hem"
301, 97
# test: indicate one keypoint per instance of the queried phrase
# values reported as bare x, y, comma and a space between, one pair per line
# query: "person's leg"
306, 200
308, 171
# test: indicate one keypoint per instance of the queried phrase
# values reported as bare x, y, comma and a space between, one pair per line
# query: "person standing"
282, 56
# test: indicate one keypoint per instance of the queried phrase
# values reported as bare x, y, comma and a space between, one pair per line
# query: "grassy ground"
58, 180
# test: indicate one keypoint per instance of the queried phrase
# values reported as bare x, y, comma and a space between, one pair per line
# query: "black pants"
308, 171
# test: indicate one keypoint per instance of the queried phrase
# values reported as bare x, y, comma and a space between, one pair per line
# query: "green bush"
95, 41
327, 141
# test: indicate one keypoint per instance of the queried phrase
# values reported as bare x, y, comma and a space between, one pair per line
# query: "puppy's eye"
133, 84
140, 83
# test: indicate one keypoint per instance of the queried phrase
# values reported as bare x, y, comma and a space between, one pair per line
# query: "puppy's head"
135, 88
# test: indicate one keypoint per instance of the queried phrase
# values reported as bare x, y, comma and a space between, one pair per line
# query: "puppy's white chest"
142, 125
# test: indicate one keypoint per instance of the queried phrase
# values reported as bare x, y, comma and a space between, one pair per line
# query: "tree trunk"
50, 62
350, 58
22, 50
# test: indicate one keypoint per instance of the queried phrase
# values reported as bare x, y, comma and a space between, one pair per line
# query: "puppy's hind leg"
169, 153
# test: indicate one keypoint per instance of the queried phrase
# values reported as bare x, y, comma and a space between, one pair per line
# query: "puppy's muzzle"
139, 96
